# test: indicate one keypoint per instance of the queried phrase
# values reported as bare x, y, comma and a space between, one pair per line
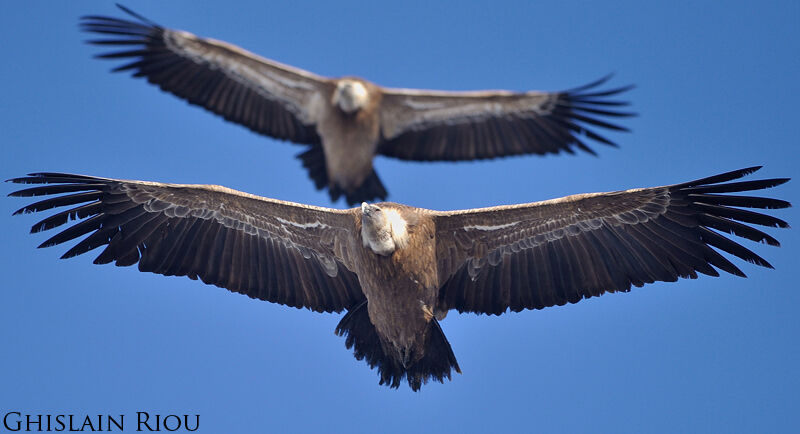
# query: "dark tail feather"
436, 364
314, 161
437, 361
371, 190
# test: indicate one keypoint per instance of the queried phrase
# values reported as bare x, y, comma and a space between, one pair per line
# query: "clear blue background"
717, 90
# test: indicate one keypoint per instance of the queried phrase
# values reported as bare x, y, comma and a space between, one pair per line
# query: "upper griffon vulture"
397, 269
348, 120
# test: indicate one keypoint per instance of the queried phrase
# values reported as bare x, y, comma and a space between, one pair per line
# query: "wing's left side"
561, 251
437, 125
272, 250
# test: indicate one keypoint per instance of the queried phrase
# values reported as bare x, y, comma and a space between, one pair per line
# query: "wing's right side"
559, 251
268, 97
427, 125
268, 249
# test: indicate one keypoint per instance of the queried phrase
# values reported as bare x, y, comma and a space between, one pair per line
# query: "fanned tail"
371, 190
436, 364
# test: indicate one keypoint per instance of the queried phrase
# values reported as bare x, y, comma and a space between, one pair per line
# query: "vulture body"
397, 270
347, 121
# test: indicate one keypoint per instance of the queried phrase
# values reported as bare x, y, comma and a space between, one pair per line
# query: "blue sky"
717, 89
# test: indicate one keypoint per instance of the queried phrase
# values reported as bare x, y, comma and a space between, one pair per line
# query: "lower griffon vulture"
398, 270
347, 121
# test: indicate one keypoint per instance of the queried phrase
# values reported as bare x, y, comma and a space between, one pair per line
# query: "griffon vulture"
347, 121
397, 269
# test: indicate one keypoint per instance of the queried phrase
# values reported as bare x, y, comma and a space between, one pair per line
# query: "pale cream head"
382, 230
350, 95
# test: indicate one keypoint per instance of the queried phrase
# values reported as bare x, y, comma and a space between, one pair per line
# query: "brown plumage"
396, 269
347, 121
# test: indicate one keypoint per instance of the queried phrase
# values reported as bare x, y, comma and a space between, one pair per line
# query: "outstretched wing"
437, 125
268, 97
276, 251
561, 251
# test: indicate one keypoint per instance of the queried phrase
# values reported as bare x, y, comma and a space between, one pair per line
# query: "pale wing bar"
672, 235
202, 79
442, 126
183, 240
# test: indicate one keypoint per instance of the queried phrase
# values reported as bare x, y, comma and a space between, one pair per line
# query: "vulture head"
350, 96
383, 230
